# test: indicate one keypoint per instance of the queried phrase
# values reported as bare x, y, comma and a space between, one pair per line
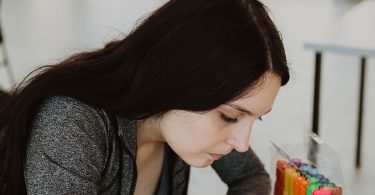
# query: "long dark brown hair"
189, 54
3, 98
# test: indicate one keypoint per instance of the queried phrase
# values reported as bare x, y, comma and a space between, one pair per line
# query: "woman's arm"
67, 149
243, 173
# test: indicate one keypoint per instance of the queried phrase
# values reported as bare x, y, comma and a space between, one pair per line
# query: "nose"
240, 139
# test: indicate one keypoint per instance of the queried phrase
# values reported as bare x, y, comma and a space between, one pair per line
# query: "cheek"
197, 135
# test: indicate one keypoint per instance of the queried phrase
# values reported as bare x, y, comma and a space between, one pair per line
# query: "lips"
216, 156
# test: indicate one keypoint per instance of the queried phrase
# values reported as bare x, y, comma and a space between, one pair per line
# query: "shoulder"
69, 145
66, 120
60, 109
66, 105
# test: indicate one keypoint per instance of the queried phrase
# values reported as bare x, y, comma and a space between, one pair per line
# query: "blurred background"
39, 32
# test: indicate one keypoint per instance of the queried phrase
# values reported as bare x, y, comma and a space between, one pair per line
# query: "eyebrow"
242, 109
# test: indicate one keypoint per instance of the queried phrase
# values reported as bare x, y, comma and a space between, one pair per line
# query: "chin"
201, 163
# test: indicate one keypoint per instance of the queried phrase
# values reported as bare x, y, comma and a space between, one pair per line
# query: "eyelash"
232, 120
228, 119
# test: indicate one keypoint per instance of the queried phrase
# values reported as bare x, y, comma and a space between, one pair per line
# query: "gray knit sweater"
77, 149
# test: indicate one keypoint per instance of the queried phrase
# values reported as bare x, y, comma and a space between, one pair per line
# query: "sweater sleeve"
244, 173
66, 150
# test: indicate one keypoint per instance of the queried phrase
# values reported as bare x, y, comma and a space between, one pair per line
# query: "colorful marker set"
297, 178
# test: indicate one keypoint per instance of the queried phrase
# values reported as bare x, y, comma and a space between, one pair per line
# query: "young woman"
182, 89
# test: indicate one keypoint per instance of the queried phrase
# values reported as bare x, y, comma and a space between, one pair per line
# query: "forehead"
260, 99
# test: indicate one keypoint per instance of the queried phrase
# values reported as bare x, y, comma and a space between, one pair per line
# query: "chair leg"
318, 64
313, 147
360, 112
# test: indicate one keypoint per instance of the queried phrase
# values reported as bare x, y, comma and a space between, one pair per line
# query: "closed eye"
228, 119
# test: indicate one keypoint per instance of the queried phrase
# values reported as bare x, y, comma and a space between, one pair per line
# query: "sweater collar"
127, 129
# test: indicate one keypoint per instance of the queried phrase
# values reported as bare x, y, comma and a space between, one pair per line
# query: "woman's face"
201, 138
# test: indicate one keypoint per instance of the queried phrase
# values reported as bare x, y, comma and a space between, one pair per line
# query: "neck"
148, 132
